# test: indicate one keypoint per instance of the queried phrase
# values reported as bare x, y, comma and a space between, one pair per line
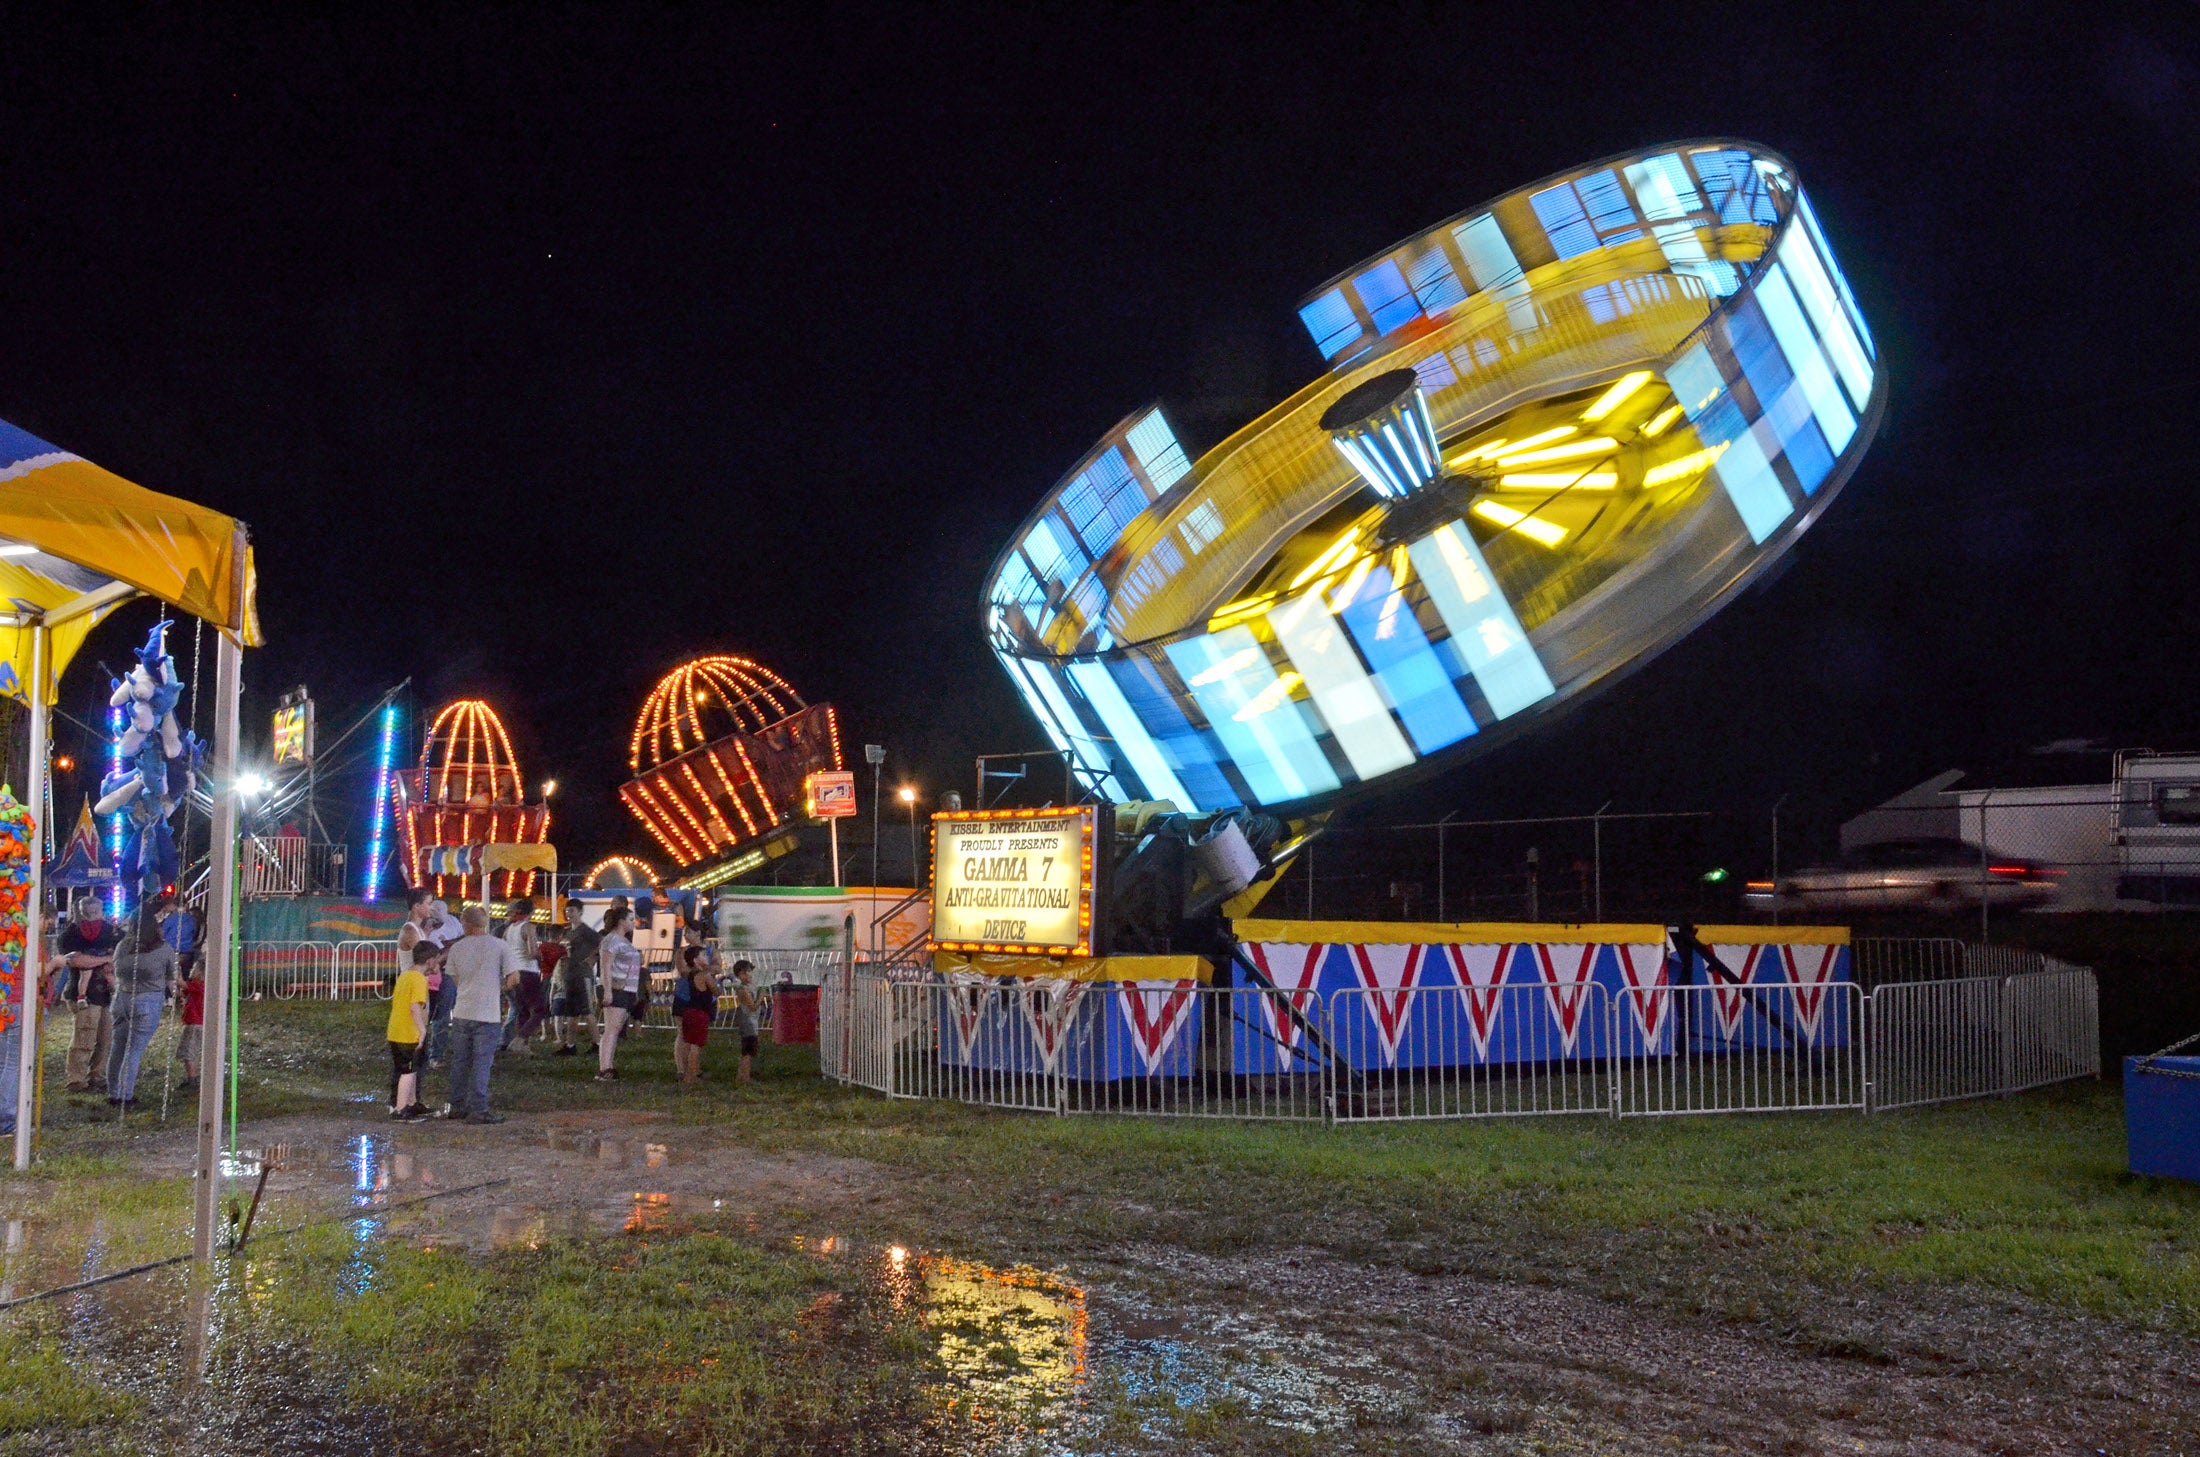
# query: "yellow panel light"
1558, 480
1242, 608
1594, 445
1352, 581
1691, 464
1332, 553
1617, 395
1541, 438
1521, 522
1662, 421
1487, 447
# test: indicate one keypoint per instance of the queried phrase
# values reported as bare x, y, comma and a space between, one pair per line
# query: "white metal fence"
1936, 1041
1371, 1054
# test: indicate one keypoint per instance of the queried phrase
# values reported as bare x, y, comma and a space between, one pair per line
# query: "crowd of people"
467, 992
118, 978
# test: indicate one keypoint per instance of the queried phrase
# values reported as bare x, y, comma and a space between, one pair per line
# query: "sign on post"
831, 794
1014, 880
293, 729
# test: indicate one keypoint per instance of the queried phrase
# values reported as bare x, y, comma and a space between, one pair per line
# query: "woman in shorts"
619, 967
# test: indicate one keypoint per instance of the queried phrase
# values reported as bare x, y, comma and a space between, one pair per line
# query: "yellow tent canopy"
77, 541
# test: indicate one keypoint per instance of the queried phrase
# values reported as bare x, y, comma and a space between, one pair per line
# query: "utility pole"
1596, 823
1440, 864
1985, 877
1783, 799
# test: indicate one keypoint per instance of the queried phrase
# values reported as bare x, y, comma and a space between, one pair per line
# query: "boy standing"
745, 1005
408, 1027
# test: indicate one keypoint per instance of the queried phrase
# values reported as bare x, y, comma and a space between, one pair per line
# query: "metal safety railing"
1446, 1052
286, 969
1972, 1037
1738, 1049
1471, 1052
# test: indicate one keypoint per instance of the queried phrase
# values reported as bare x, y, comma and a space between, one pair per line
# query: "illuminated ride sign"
1014, 880
1556, 433
293, 730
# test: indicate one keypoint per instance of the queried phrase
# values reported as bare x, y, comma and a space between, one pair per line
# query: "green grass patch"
691, 1342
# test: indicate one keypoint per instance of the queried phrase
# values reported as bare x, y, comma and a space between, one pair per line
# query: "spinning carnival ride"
1557, 432
464, 813
719, 754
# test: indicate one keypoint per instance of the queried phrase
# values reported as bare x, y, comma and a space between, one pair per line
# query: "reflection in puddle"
1026, 1359
1012, 1341
611, 1151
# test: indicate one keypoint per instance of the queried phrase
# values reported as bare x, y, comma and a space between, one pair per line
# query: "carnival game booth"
76, 542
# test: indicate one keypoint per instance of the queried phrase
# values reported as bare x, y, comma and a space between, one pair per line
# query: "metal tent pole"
221, 925
34, 932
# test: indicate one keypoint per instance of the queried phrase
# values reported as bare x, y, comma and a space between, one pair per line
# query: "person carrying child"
695, 1010
408, 1028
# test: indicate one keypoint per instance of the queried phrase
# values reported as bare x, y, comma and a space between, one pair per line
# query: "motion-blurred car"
1930, 875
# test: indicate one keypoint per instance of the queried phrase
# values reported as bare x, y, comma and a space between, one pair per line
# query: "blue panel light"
1383, 293
1785, 314
1565, 221
1332, 323
1743, 470
1138, 746
1252, 712
381, 818
1482, 625
1435, 283
1186, 749
1383, 624
1357, 717
1835, 327
1496, 268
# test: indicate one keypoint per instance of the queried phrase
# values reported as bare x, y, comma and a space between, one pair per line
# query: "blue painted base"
2162, 1117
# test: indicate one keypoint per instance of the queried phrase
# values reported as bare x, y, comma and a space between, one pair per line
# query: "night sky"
542, 351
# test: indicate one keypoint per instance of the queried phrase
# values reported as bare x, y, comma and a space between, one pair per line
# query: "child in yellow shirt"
408, 1025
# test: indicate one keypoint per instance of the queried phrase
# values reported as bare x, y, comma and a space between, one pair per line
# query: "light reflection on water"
1031, 1360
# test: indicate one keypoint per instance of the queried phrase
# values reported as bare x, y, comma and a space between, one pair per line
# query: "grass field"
1718, 1220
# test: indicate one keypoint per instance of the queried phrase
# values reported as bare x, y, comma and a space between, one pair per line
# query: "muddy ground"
1472, 1345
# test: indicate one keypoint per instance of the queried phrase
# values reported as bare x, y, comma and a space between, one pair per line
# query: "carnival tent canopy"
77, 541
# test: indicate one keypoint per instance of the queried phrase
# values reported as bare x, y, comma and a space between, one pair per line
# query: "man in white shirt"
482, 966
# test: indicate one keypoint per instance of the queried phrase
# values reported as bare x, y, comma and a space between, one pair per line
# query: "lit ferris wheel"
1556, 432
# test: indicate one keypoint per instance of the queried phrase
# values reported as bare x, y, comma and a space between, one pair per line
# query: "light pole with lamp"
875, 756
908, 793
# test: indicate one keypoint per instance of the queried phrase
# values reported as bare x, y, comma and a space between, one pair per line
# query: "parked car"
1931, 875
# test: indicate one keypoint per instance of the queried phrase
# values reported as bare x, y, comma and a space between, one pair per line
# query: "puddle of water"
615, 1151
1042, 1363
1031, 1360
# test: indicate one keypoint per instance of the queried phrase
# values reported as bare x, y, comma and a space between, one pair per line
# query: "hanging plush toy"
159, 763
